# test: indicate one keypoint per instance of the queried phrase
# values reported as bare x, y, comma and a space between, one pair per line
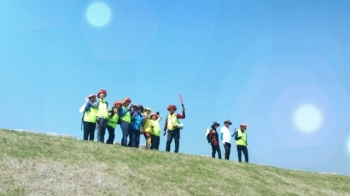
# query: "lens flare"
308, 118
98, 14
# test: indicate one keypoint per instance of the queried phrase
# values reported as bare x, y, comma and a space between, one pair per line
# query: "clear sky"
280, 66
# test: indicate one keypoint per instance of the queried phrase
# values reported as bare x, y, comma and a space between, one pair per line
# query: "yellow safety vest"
147, 125
172, 120
91, 115
126, 117
102, 109
112, 121
156, 127
243, 140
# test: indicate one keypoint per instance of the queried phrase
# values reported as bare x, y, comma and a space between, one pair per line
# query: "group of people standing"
133, 120
240, 136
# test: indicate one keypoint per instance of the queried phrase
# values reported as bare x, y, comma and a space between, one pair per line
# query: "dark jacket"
214, 136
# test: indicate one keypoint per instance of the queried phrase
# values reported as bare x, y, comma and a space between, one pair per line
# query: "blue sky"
280, 66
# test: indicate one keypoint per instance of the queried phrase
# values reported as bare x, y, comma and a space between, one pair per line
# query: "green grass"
46, 165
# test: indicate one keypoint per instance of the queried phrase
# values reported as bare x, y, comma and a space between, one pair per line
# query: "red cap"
154, 114
101, 91
172, 107
126, 99
243, 125
117, 103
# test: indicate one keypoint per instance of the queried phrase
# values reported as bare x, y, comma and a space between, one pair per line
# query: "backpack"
209, 139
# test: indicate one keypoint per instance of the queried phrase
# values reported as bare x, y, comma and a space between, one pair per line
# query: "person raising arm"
172, 124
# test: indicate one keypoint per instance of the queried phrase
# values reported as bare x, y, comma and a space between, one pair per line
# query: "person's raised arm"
238, 136
233, 134
181, 116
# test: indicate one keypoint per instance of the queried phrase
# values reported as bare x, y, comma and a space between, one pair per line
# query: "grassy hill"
46, 165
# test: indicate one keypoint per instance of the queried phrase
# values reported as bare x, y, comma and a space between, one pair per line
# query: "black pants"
243, 149
89, 131
175, 134
135, 141
102, 124
155, 140
130, 134
227, 150
111, 135
215, 148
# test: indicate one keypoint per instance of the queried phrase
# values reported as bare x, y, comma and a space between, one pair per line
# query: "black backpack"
210, 140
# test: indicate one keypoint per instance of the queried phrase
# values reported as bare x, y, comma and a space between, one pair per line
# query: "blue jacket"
137, 120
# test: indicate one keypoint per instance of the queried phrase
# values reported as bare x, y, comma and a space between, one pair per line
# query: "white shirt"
226, 135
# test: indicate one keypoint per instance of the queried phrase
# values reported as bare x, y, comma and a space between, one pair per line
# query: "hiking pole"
181, 126
182, 103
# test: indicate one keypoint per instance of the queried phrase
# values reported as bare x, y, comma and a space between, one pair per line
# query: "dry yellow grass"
48, 177
44, 165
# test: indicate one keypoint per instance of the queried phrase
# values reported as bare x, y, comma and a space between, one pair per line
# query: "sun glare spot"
98, 14
308, 118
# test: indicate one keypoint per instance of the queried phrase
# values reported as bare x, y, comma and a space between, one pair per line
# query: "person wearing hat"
242, 142
89, 117
171, 123
137, 120
112, 121
132, 111
146, 128
226, 138
214, 136
155, 133
102, 115
125, 120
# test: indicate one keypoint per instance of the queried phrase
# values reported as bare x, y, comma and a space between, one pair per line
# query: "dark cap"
215, 123
228, 121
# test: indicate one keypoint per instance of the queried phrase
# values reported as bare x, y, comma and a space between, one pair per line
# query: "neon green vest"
243, 139
147, 125
126, 117
102, 109
91, 115
172, 120
112, 121
156, 127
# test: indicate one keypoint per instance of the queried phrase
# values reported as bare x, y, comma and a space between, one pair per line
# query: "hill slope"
44, 165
